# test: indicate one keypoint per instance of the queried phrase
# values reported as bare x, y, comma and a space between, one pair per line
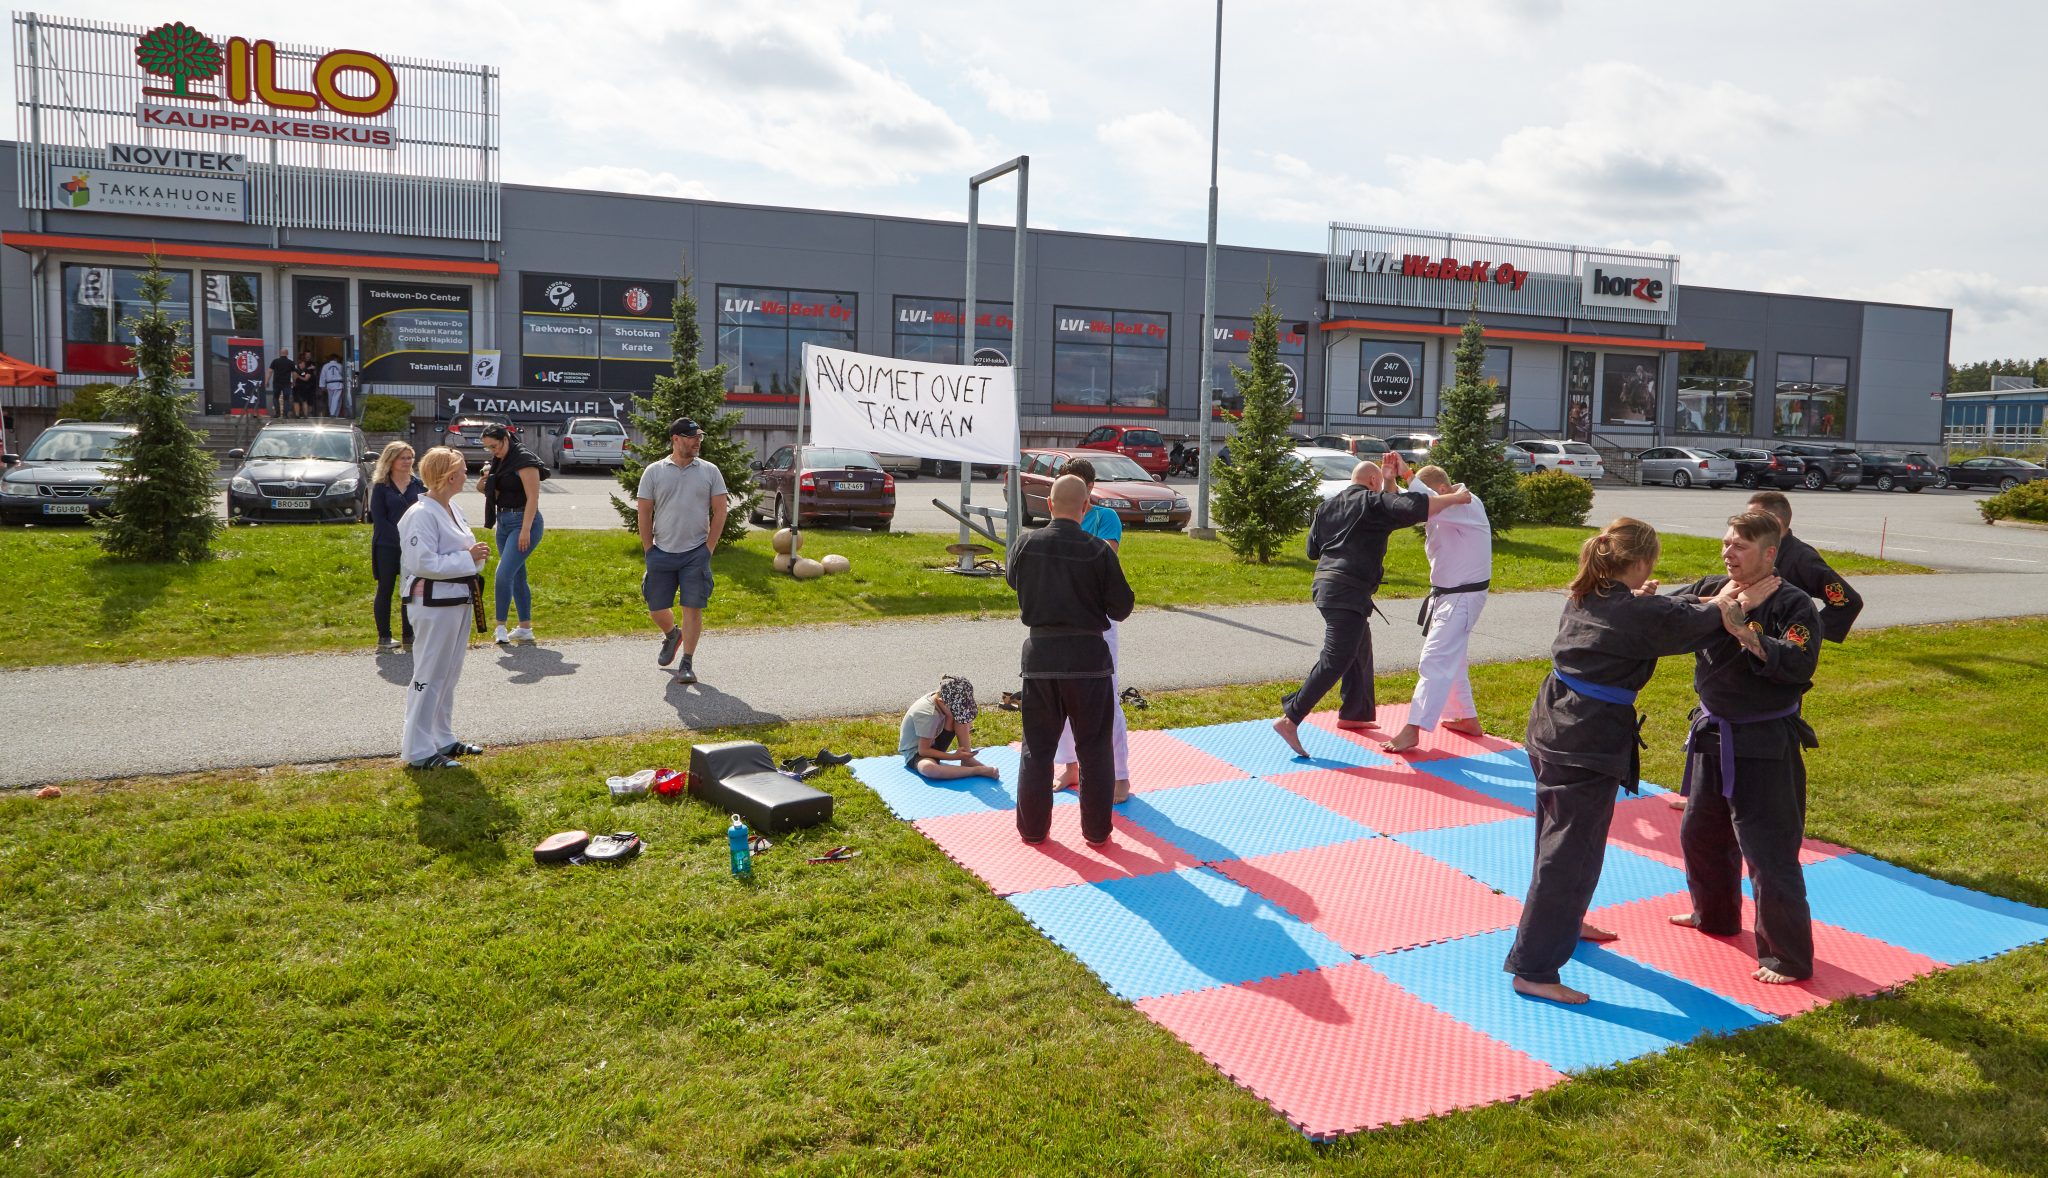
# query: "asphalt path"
222, 713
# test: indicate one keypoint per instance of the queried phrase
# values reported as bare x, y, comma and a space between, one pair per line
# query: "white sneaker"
523, 636
503, 637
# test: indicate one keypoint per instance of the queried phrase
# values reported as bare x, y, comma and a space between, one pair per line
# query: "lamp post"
1206, 460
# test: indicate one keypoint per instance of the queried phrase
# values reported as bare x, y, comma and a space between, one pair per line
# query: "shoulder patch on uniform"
415, 541
1798, 635
1835, 593
1756, 626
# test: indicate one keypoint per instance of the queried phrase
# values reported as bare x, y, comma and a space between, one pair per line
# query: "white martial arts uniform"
1119, 735
434, 543
1459, 541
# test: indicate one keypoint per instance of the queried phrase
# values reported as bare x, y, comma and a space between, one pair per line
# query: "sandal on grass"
835, 855
437, 761
1130, 696
463, 748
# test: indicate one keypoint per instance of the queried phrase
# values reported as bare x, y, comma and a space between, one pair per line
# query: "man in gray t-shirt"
682, 508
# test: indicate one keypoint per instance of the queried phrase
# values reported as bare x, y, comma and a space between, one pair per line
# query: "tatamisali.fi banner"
953, 412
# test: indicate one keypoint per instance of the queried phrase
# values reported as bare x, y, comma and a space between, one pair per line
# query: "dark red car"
830, 486
1139, 443
1120, 485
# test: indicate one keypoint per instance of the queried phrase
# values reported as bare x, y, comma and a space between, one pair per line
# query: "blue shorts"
677, 574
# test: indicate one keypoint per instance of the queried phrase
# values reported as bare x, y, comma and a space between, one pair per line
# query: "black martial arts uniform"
1749, 707
1348, 542
1069, 586
1582, 745
1801, 566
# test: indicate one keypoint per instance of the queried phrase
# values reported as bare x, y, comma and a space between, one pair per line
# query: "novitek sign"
343, 81
1446, 271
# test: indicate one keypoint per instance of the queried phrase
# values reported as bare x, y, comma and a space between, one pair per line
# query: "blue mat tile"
1635, 1010
1948, 923
1502, 855
1254, 747
1177, 931
1239, 820
911, 797
1504, 776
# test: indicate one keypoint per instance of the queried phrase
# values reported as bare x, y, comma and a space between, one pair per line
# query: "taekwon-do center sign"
413, 332
954, 412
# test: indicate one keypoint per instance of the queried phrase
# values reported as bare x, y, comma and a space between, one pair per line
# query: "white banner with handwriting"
953, 412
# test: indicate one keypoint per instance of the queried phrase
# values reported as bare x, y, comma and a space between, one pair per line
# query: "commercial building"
341, 203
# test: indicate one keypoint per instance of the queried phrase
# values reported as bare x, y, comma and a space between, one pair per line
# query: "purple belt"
1726, 731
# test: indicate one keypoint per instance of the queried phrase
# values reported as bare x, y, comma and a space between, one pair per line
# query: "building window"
580, 332
1232, 348
1813, 397
1389, 378
762, 332
234, 310
1110, 359
931, 330
1578, 395
1628, 389
98, 303
1716, 392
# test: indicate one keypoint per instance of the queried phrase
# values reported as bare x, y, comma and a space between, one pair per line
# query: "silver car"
1413, 448
590, 441
1682, 466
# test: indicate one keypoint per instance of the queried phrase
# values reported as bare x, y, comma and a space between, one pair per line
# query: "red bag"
671, 783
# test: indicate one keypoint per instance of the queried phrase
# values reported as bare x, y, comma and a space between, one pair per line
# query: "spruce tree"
699, 394
163, 488
1265, 495
1466, 447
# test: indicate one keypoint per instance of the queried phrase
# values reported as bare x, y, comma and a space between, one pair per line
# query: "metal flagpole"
1014, 518
967, 348
1205, 461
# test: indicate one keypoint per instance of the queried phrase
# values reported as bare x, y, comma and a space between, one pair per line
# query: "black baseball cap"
683, 427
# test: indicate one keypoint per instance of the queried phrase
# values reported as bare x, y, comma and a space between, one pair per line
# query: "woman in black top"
393, 489
512, 506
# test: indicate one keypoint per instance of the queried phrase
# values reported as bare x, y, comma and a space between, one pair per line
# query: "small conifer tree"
1466, 447
162, 506
1265, 494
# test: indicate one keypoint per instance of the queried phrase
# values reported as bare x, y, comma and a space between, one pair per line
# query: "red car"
1139, 443
1120, 485
837, 486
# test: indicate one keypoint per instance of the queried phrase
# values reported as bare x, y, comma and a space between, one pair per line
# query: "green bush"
90, 402
1554, 497
2028, 501
386, 415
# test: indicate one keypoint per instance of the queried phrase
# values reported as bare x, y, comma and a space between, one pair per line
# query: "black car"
466, 437
1764, 468
1889, 472
1825, 466
64, 475
2001, 473
302, 471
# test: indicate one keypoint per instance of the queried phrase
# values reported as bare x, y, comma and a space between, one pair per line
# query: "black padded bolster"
739, 777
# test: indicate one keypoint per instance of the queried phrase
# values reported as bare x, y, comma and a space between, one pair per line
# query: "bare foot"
1589, 932
1288, 731
989, 771
1123, 792
1686, 919
1406, 739
1554, 991
1469, 726
1355, 725
1771, 977
1071, 779
1677, 802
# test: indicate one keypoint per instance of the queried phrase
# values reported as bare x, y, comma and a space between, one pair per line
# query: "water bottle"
742, 853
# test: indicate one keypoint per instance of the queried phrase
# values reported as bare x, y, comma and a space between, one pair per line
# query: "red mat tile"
1395, 798
1161, 760
1376, 895
1437, 743
1845, 964
1649, 826
987, 845
1342, 1049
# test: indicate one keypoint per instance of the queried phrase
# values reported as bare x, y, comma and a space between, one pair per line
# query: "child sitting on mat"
933, 724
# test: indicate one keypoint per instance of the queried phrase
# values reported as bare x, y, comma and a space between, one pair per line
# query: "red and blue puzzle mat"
1328, 931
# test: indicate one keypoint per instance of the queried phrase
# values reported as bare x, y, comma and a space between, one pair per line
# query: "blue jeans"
509, 586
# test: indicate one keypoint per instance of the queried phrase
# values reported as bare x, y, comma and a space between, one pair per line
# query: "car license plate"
291, 504
1157, 517
65, 509
1144, 453
846, 486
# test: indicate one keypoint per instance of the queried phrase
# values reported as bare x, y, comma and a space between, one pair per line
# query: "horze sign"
952, 412
241, 74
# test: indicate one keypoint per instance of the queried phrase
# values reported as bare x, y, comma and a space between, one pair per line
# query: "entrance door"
320, 326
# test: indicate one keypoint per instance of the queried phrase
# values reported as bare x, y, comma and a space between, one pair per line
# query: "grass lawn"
284, 589
349, 970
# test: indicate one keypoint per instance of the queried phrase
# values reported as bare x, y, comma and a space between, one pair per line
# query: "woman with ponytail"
1582, 738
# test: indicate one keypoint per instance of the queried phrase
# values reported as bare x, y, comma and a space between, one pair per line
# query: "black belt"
1422, 615
1065, 632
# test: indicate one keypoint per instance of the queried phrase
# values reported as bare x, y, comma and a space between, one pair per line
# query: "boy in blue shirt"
1106, 526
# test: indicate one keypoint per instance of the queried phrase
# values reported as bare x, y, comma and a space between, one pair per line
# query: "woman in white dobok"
438, 556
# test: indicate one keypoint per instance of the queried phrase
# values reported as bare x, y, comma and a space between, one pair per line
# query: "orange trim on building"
243, 253
1512, 333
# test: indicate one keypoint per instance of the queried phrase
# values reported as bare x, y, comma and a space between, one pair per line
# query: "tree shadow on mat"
461, 819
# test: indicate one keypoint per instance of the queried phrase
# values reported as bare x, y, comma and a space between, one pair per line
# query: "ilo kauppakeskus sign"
951, 412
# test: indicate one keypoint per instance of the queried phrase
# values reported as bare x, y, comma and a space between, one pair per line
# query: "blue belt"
1599, 691
1725, 726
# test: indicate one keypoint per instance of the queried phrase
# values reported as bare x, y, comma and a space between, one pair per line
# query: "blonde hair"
1610, 552
439, 465
393, 451
1435, 478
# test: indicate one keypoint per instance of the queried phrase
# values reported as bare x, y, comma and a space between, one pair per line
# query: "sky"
1854, 148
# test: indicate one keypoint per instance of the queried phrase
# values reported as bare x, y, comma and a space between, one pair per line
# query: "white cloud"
1008, 99
1985, 304
613, 178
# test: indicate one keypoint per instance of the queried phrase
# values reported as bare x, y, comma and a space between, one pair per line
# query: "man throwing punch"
1348, 542
682, 508
1745, 773
1070, 587
1459, 541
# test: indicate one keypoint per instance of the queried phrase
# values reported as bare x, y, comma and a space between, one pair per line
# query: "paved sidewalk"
111, 721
